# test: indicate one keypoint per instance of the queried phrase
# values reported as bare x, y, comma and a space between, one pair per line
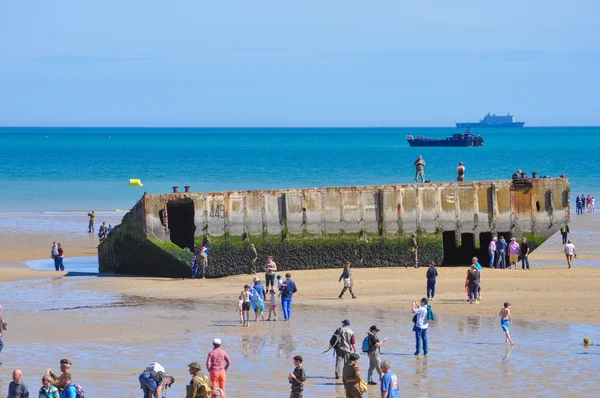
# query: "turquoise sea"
77, 169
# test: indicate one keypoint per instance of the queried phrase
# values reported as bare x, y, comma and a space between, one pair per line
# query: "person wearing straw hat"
200, 386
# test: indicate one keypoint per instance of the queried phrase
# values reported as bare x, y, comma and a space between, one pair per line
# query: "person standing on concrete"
421, 325
414, 250
346, 345
431, 281
351, 377
297, 378
460, 172
564, 231
492, 251
16, 388
217, 364
348, 281
389, 382
253, 258
287, 289
420, 169
373, 352
200, 386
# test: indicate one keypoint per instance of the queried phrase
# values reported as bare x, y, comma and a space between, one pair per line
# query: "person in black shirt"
525, 249
431, 275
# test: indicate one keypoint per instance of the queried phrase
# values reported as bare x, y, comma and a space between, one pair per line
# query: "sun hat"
217, 341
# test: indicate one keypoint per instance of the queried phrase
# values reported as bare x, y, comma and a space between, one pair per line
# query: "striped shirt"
50, 392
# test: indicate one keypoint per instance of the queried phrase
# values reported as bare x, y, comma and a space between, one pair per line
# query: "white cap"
217, 341
256, 279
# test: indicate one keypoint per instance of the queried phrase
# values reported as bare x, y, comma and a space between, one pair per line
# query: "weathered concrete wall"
290, 221
473, 207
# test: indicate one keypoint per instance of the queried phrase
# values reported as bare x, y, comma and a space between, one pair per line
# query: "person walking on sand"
421, 325
564, 231
346, 345
414, 250
513, 253
61, 257
431, 275
475, 262
472, 282
525, 249
460, 172
217, 364
374, 345
54, 255
505, 321
351, 377
288, 288
297, 378
348, 281
3, 327
420, 169
270, 269
492, 251
92, 216
570, 252
17, 388
246, 296
200, 386
501, 247
389, 383
253, 257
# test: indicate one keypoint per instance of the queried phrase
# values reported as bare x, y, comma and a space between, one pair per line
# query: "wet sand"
111, 327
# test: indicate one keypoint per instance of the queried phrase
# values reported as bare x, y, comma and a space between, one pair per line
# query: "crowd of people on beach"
582, 202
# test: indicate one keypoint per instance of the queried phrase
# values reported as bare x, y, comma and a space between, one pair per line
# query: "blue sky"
311, 63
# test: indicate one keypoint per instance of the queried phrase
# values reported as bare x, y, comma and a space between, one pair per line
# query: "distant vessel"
465, 139
493, 121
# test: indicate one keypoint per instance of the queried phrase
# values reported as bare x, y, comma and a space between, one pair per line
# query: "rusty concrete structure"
466, 214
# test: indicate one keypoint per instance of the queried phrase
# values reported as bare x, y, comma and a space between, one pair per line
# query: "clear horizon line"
284, 127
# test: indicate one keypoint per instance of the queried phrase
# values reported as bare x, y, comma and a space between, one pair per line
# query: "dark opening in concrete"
484, 241
181, 223
461, 256
537, 205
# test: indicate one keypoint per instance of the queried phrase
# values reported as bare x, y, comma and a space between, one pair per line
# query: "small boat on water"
459, 139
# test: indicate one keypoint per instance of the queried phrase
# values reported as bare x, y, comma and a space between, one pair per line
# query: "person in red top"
61, 257
217, 364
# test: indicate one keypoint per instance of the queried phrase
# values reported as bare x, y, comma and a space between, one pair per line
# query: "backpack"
79, 393
334, 341
366, 344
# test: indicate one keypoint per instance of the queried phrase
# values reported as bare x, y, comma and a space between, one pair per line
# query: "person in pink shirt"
492, 251
217, 364
513, 252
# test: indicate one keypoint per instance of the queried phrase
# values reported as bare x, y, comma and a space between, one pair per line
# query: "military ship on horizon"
493, 121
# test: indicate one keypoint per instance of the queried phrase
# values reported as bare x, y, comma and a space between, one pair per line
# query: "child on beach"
239, 309
246, 305
273, 306
505, 321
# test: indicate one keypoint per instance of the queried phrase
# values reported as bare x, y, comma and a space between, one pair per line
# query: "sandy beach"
548, 292
121, 321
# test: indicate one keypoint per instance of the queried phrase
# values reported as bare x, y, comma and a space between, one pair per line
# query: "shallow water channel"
111, 337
